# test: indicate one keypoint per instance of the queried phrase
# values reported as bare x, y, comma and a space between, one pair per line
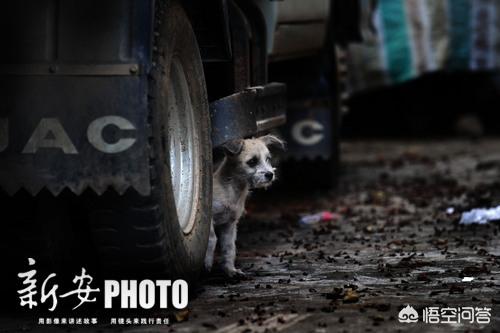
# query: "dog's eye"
252, 162
268, 159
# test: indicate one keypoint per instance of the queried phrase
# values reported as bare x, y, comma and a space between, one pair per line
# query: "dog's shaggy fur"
246, 166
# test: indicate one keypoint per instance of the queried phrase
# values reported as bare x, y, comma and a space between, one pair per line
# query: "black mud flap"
309, 133
73, 92
312, 157
59, 132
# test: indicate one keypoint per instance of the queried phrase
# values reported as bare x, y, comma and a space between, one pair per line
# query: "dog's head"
252, 159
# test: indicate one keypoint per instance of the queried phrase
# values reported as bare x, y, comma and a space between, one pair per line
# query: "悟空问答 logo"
408, 315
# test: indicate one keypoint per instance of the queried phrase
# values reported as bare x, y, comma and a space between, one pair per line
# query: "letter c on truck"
94, 134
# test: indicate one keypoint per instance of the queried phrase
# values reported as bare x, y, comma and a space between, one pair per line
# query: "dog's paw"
234, 273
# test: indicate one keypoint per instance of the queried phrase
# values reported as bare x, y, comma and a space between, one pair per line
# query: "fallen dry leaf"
182, 316
351, 296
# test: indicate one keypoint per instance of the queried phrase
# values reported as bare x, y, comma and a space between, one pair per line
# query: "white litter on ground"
467, 279
480, 216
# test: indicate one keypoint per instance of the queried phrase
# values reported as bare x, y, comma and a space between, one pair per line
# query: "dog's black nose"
269, 176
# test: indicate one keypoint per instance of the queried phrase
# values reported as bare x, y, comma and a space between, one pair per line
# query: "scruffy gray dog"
246, 166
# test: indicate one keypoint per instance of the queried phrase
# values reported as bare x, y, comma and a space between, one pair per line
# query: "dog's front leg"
212, 242
227, 237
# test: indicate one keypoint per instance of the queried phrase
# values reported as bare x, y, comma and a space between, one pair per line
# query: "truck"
112, 113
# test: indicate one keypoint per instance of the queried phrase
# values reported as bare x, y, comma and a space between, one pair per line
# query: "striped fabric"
404, 39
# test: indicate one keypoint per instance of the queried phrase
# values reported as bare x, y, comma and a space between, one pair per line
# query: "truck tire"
166, 233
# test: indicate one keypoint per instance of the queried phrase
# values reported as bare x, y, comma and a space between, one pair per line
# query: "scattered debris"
475, 270
337, 293
182, 316
456, 289
397, 245
351, 296
308, 220
210, 326
381, 307
481, 216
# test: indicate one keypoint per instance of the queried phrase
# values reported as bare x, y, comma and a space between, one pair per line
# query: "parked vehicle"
122, 102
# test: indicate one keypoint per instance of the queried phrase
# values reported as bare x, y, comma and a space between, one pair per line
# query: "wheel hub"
183, 146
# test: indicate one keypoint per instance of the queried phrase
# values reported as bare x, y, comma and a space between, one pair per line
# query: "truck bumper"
247, 113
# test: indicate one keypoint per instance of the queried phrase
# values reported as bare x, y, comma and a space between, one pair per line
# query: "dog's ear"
273, 141
233, 147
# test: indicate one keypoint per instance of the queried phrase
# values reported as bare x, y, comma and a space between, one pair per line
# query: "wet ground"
394, 241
